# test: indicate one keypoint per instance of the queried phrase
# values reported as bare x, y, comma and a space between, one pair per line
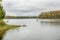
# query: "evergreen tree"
2, 13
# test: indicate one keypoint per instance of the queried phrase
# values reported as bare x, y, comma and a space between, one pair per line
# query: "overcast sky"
29, 7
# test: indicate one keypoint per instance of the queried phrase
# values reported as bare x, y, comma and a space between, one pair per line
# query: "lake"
34, 30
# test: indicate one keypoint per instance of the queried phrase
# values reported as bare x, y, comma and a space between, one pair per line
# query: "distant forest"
20, 17
43, 15
50, 15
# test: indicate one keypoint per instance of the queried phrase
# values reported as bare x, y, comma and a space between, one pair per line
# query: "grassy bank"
3, 28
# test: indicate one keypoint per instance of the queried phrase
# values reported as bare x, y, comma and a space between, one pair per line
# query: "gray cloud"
29, 7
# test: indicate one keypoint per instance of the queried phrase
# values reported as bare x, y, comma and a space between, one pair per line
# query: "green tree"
2, 13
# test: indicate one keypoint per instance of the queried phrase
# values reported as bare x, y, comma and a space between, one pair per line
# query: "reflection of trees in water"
57, 24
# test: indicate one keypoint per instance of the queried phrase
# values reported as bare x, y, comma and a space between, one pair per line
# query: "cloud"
26, 7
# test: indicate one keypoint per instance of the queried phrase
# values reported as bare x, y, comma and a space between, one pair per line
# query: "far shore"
20, 17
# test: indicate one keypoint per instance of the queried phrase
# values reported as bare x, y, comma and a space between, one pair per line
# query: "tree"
2, 13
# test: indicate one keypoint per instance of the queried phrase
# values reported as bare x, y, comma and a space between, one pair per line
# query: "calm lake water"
34, 30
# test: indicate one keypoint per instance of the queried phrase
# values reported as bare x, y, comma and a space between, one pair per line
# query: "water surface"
34, 30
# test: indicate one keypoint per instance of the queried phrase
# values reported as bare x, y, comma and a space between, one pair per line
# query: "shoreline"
4, 27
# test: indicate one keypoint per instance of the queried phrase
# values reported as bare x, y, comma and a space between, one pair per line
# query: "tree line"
50, 15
